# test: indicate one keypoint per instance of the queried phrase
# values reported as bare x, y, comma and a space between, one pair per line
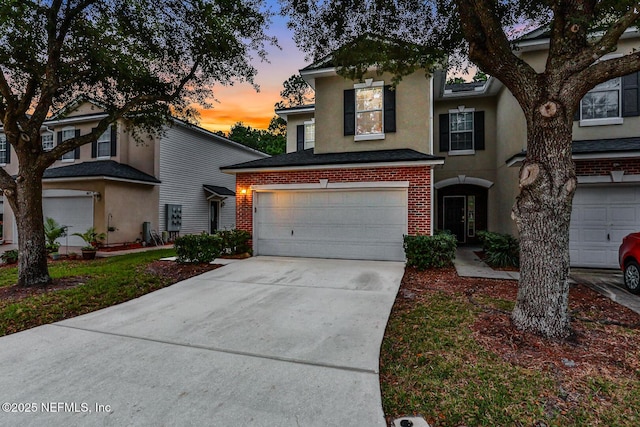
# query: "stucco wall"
292, 123
412, 116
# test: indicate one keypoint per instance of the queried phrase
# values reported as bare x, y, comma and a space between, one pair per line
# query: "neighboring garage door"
601, 217
71, 208
357, 224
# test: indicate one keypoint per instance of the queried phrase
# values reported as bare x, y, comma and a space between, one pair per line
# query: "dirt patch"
606, 335
178, 272
15, 293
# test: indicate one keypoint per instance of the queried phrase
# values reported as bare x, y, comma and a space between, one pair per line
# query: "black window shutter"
350, 112
576, 115
389, 109
94, 147
631, 95
59, 141
478, 130
114, 140
444, 132
300, 137
7, 154
76, 152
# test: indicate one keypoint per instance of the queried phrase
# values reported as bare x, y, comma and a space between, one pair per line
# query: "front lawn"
451, 355
80, 287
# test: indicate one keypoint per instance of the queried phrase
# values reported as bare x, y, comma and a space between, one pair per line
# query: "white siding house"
190, 161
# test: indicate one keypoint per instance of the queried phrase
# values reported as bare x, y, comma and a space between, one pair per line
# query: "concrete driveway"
261, 342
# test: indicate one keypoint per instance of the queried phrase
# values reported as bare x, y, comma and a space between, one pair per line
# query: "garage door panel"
352, 224
73, 212
601, 217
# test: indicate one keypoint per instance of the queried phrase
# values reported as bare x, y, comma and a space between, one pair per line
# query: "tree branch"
6, 181
6, 92
490, 48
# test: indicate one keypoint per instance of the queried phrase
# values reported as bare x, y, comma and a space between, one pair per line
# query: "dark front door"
213, 213
454, 216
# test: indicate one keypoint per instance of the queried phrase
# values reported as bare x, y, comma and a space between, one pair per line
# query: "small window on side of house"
47, 141
309, 134
3, 148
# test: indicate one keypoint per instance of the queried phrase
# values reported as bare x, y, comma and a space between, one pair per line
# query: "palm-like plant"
92, 238
53, 231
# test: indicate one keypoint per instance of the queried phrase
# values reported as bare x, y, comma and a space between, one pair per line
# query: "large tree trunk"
27, 206
542, 213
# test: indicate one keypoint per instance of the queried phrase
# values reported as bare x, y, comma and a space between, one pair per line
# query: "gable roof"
307, 158
100, 168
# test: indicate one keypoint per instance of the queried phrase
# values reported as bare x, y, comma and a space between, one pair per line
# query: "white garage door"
601, 217
357, 224
71, 208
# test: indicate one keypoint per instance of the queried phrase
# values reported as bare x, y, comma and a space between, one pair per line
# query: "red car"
629, 257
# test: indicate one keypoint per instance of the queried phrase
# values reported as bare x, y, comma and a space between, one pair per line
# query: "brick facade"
419, 209
599, 167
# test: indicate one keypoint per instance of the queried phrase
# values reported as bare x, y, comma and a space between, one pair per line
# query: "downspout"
431, 150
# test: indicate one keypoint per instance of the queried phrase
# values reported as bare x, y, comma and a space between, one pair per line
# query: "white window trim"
608, 120
473, 136
313, 143
67, 128
375, 136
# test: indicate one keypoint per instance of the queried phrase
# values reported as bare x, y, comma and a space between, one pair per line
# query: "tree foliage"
295, 92
259, 139
580, 35
141, 59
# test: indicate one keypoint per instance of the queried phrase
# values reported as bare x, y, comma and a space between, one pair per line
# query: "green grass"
107, 281
431, 365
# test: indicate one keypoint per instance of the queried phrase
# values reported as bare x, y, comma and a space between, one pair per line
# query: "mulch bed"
171, 270
605, 339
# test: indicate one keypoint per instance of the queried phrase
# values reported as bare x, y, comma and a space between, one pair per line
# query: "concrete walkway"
261, 342
609, 283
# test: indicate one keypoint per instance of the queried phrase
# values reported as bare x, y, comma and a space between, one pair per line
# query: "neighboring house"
119, 183
359, 167
482, 134
357, 175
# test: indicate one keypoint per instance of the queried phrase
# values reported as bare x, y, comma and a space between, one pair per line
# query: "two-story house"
357, 175
366, 164
482, 134
123, 186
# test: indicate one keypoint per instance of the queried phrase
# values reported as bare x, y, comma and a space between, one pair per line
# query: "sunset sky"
241, 102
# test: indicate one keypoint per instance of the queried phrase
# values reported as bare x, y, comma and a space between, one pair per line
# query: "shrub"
501, 250
198, 248
10, 257
235, 242
425, 252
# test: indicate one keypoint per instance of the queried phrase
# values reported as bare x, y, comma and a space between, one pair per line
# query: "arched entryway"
462, 209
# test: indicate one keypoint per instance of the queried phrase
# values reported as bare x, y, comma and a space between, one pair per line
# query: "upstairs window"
369, 116
369, 110
602, 105
65, 135
306, 135
461, 131
47, 141
104, 144
309, 134
4, 149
